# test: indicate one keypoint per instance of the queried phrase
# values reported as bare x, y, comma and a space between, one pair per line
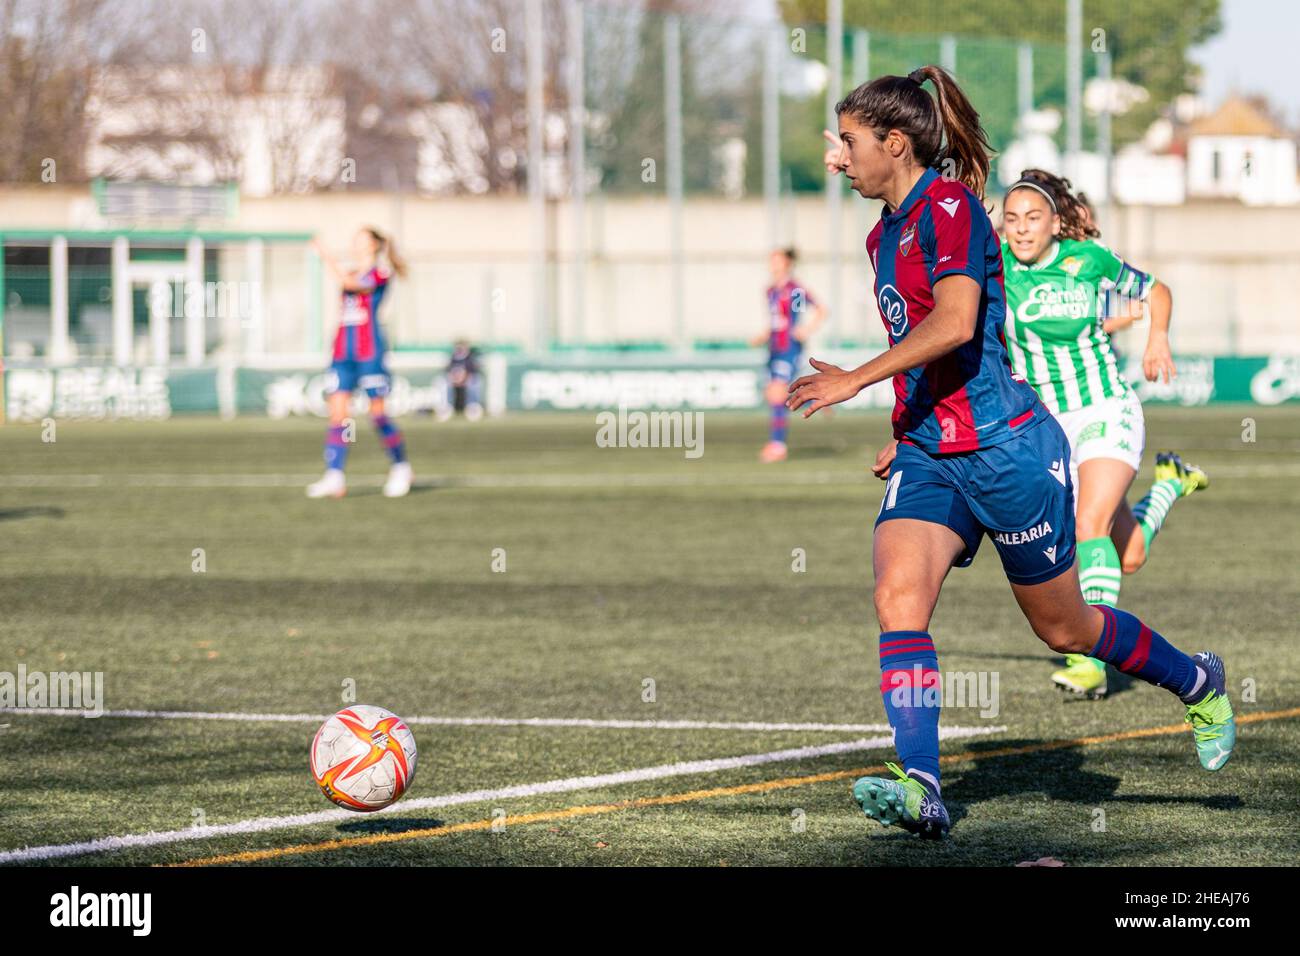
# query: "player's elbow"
961, 331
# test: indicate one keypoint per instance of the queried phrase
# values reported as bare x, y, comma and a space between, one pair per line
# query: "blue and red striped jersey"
786, 304
967, 399
359, 338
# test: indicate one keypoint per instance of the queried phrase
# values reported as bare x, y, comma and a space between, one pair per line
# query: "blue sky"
1255, 53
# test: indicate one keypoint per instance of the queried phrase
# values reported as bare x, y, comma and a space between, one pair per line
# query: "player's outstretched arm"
1158, 361
348, 280
950, 326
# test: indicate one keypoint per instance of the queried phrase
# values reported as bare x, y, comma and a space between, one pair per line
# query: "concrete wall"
1234, 271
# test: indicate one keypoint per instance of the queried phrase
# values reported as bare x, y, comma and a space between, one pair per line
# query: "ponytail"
944, 130
389, 249
394, 260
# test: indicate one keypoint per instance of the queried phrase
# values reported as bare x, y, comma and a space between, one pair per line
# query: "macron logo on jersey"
950, 206
1057, 471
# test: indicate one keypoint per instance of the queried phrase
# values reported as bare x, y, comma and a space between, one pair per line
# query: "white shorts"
1113, 428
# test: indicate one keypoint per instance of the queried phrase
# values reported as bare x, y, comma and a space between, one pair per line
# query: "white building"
199, 127
1238, 152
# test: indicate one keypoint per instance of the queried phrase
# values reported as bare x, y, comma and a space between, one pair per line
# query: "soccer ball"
363, 758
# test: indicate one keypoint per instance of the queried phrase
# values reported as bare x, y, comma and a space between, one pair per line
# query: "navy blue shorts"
782, 368
1019, 493
347, 375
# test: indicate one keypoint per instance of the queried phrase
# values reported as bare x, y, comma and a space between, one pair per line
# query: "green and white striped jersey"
1055, 309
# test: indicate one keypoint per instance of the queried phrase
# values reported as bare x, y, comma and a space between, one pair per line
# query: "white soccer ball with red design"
363, 758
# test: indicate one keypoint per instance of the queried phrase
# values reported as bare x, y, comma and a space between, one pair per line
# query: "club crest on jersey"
1071, 265
893, 308
905, 240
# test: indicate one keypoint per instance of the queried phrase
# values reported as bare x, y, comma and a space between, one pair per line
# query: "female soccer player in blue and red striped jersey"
975, 452
787, 330
359, 363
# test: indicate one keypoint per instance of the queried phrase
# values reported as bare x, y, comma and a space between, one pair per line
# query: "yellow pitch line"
569, 813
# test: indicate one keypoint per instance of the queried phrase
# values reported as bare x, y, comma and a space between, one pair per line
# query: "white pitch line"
461, 721
590, 480
768, 478
597, 781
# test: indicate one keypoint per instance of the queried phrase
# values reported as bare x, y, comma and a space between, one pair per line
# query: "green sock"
1151, 511
1099, 571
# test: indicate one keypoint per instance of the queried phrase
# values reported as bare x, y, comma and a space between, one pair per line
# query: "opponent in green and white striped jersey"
1055, 310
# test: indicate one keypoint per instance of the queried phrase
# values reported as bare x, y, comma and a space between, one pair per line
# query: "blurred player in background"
787, 331
359, 363
975, 453
1065, 293
464, 383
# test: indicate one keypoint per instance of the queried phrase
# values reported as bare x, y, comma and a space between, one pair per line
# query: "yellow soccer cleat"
1082, 676
1170, 467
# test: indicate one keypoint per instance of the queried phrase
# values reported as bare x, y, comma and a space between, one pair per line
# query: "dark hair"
790, 253
941, 128
387, 247
1076, 219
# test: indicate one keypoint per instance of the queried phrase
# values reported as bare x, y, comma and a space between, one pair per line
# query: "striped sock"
1100, 571
391, 436
1150, 512
1135, 649
780, 414
336, 448
910, 686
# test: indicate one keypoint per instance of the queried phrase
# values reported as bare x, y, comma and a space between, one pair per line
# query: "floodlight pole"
534, 56
673, 171
578, 162
1103, 122
834, 192
1024, 80
1073, 84
772, 134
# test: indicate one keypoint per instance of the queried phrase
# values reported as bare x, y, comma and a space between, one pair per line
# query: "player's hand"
884, 459
832, 155
830, 386
1157, 362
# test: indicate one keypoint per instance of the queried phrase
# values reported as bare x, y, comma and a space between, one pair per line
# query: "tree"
1148, 42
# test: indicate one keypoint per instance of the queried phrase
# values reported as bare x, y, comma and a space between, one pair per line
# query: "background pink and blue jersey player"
358, 359
793, 316
358, 362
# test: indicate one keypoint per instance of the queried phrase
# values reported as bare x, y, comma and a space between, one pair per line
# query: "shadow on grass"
36, 511
1059, 775
391, 825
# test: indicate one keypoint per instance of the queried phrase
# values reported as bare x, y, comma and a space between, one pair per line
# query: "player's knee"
1133, 560
1065, 640
901, 605
1091, 524
1065, 633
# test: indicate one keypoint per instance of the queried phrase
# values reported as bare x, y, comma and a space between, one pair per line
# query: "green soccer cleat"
1082, 676
1211, 718
1171, 467
905, 802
